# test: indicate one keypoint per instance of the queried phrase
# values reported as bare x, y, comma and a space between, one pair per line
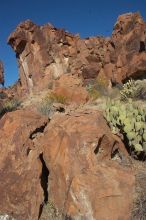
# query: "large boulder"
21, 167
67, 162
84, 182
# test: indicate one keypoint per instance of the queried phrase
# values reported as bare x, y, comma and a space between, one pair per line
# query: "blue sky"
86, 17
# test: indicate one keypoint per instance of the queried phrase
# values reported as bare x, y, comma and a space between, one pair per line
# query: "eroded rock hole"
142, 46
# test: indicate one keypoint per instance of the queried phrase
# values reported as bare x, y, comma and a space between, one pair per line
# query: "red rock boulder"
21, 167
84, 182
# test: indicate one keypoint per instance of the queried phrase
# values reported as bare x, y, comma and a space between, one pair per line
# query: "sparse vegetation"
102, 84
129, 120
133, 89
98, 88
101, 87
50, 212
50, 85
139, 202
3, 95
9, 106
129, 90
93, 92
55, 98
139, 209
46, 106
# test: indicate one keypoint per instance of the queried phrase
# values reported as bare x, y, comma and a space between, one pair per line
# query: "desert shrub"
50, 85
114, 93
130, 121
50, 212
93, 92
9, 106
139, 209
101, 84
46, 106
141, 85
129, 90
3, 95
133, 89
99, 87
56, 98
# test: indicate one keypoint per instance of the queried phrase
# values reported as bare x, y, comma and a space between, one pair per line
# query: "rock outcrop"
45, 53
1, 73
71, 159
128, 58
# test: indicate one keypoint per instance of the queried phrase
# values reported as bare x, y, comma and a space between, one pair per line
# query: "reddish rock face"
72, 88
129, 43
83, 182
45, 53
20, 165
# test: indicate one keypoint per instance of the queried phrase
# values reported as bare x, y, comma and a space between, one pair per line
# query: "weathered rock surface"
1, 73
45, 53
74, 160
20, 166
129, 42
82, 181
67, 161
72, 88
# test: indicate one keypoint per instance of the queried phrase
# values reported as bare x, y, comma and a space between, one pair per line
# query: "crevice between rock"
37, 130
44, 183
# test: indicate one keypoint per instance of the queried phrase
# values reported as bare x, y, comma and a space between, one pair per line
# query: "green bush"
128, 120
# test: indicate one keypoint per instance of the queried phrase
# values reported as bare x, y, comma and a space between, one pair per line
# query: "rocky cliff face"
45, 53
129, 40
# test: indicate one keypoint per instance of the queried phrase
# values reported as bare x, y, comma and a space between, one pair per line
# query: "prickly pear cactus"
130, 120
